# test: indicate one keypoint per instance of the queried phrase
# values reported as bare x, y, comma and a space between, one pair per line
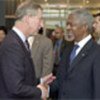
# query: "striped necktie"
27, 46
73, 53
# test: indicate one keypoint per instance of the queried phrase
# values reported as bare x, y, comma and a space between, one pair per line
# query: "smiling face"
74, 27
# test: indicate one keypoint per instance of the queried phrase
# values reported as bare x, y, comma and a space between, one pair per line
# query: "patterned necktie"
27, 45
73, 53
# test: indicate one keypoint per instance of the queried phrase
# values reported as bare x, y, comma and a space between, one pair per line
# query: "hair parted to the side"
27, 7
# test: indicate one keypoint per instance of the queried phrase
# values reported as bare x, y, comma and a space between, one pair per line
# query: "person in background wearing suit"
96, 26
79, 78
59, 46
17, 75
42, 55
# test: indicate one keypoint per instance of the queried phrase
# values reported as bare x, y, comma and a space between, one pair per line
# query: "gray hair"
27, 8
83, 16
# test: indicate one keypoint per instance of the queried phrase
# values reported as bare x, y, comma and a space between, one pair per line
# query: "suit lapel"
20, 42
82, 54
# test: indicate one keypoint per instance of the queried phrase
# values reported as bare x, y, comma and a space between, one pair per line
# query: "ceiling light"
81, 6
45, 0
87, 1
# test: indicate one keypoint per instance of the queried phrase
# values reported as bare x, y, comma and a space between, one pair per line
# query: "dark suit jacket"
81, 79
17, 76
64, 45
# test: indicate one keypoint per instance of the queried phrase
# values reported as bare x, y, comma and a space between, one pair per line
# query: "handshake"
44, 85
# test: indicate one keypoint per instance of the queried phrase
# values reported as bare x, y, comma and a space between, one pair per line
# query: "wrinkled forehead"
72, 18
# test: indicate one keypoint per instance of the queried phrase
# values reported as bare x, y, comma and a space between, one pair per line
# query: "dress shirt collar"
82, 43
20, 34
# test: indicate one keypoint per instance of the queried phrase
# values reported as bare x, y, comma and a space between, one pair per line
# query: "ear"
26, 19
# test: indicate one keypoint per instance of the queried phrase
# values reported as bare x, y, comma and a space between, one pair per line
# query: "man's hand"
47, 79
44, 90
44, 85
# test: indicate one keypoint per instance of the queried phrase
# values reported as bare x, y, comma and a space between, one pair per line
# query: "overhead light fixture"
80, 6
87, 1
45, 0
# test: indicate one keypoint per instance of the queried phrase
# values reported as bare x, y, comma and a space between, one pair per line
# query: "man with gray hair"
78, 77
17, 75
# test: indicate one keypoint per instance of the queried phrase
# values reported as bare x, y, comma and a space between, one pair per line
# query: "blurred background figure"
59, 47
51, 35
96, 26
42, 54
3, 32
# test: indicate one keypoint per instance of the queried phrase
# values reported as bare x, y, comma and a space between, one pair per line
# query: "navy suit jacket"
81, 79
17, 76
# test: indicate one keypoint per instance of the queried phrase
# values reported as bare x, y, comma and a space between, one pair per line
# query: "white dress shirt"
82, 43
20, 34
